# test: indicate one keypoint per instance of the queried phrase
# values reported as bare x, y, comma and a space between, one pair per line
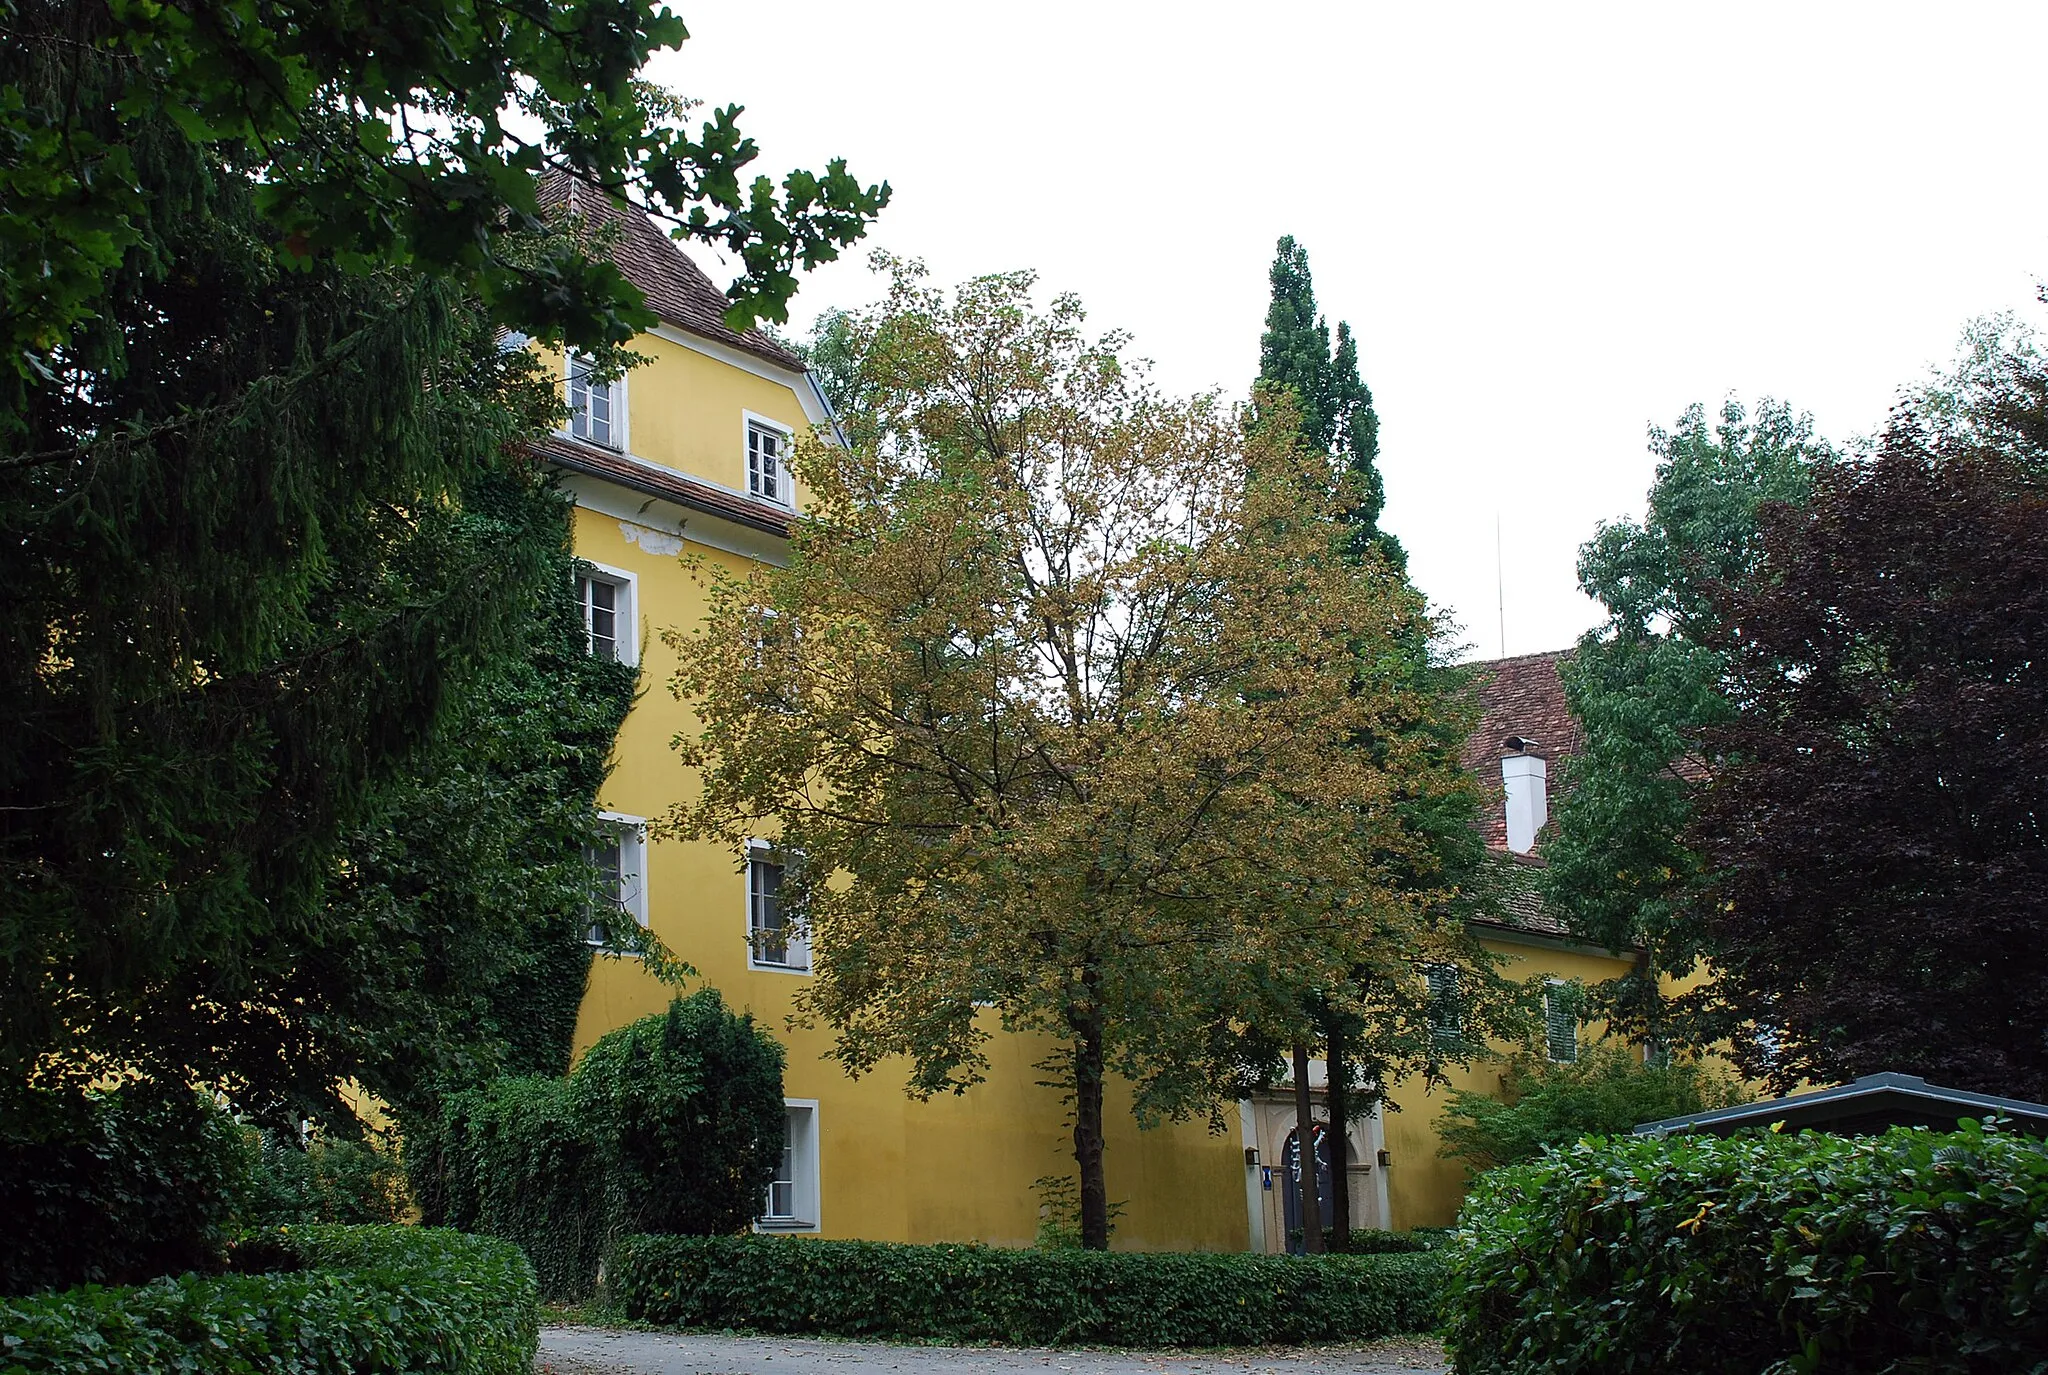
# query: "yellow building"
686, 453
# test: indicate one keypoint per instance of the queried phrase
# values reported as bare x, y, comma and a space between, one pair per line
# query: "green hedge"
371, 1301
670, 1124
985, 1294
114, 1187
1910, 1251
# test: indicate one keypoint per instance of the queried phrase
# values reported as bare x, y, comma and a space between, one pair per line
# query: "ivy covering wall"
671, 1124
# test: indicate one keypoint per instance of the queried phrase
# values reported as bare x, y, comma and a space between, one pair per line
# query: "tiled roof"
1510, 881
665, 483
1522, 697
676, 288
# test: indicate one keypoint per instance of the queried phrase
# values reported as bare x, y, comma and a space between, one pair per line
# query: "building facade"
687, 453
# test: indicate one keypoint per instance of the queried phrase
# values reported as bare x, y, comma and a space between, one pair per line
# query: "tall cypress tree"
1337, 415
1374, 1031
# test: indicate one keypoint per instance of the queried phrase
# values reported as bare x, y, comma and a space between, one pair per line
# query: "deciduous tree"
1051, 700
400, 136
1872, 835
1645, 681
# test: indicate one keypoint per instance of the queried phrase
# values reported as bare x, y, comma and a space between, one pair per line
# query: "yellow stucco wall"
1423, 1189
952, 1169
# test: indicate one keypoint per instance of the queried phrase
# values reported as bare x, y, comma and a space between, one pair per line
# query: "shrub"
514, 1160
672, 1124
1909, 1251
326, 1179
1373, 1242
372, 1301
114, 1187
979, 1293
686, 1110
1607, 1092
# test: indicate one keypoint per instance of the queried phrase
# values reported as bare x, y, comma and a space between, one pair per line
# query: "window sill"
575, 438
783, 1224
761, 967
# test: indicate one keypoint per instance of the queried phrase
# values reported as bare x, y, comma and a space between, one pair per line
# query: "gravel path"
597, 1351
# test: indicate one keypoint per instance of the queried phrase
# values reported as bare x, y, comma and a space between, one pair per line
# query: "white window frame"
620, 440
627, 612
632, 840
1550, 987
795, 947
800, 1140
785, 497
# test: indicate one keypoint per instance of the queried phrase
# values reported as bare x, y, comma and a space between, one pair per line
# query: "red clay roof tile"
666, 483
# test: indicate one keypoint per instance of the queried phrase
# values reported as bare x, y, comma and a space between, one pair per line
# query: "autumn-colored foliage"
1052, 701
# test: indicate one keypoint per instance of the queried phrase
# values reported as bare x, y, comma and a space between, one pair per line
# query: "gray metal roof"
1872, 1103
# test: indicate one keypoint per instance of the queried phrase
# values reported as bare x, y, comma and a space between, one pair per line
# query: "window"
792, 1202
1561, 1022
594, 406
767, 475
1446, 1016
1770, 1044
774, 933
618, 860
604, 598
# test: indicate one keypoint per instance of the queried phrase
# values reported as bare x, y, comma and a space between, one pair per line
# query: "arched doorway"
1290, 1167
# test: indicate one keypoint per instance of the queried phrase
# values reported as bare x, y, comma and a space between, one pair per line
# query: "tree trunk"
1088, 1056
1340, 1137
1305, 1157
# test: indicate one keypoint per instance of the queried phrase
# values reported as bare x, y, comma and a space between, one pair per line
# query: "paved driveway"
596, 1351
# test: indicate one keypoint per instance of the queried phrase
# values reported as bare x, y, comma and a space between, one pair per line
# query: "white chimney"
1526, 778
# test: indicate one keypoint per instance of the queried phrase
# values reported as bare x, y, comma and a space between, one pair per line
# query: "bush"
1606, 1092
673, 1124
324, 1180
686, 1110
514, 1160
372, 1301
114, 1187
1909, 1251
983, 1294
1373, 1242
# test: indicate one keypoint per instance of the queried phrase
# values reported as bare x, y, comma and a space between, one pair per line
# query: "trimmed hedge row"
1912, 1251
384, 1300
986, 1294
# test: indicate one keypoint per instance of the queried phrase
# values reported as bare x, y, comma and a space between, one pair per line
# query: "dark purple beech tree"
1874, 833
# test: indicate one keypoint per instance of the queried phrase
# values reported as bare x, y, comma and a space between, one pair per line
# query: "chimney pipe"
1525, 777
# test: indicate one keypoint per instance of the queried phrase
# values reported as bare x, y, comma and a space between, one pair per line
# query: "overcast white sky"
1551, 226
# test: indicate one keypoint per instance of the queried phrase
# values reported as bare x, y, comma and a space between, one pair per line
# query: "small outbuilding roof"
1874, 1103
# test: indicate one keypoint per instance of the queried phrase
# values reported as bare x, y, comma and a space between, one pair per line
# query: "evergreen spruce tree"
283, 648
1374, 1029
302, 744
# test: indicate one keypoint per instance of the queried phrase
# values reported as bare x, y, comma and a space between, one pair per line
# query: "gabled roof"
1522, 697
666, 483
1871, 1104
676, 288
